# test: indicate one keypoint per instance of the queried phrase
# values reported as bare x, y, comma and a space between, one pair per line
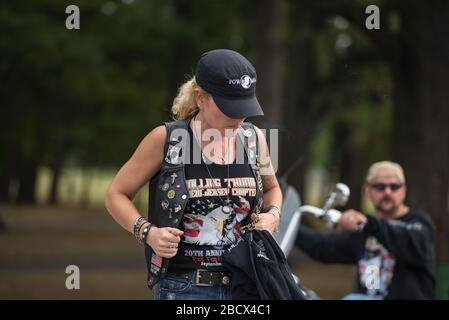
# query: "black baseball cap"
231, 81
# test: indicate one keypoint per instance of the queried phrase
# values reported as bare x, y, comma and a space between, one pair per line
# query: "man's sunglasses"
383, 186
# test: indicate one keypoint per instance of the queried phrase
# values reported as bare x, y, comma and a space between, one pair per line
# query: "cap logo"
245, 81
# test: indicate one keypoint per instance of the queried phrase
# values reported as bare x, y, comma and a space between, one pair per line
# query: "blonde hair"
184, 105
385, 168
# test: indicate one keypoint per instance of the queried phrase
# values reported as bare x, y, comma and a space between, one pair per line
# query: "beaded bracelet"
137, 224
141, 225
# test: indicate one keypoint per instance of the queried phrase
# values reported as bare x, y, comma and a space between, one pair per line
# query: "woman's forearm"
122, 209
273, 197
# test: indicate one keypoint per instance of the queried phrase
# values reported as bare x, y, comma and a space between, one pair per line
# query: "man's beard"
387, 211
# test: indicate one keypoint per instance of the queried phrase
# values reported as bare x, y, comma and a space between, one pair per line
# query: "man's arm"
341, 247
412, 242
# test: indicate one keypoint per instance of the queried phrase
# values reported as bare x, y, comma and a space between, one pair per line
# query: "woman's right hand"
164, 241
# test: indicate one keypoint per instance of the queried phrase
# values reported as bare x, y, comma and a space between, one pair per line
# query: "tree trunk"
5, 179
300, 117
183, 51
351, 164
421, 118
53, 195
86, 183
7, 171
269, 59
27, 181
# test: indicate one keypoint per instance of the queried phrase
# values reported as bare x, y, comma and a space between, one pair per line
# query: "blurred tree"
69, 93
269, 53
361, 116
302, 111
420, 65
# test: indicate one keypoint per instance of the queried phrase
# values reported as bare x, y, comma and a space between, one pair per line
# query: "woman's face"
213, 115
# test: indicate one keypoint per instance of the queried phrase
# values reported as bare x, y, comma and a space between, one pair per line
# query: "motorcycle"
292, 212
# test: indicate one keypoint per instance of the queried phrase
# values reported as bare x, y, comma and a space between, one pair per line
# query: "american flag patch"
156, 260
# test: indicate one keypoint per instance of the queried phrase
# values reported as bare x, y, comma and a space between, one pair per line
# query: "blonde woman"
202, 191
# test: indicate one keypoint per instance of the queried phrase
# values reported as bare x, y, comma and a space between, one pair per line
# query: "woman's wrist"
275, 211
138, 222
142, 226
146, 233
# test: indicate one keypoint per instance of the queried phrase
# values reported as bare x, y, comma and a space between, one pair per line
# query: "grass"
328, 281
82, 187
40, 242
94, 284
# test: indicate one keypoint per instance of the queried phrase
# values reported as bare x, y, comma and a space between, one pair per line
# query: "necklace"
226, 208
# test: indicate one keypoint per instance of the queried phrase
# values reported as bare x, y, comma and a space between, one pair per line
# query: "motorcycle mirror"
338, 197
342, 194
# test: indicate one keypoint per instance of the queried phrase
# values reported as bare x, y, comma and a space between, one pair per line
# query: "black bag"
259, 269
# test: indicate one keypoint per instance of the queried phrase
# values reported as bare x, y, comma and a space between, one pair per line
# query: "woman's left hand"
268, 221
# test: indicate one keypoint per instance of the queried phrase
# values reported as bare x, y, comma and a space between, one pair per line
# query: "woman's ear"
199, 98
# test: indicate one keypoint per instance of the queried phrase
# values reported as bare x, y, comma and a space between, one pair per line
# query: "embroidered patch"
156, 260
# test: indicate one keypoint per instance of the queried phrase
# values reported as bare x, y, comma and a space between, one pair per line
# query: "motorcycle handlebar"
331, 215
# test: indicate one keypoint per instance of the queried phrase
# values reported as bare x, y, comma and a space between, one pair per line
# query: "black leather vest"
168, 193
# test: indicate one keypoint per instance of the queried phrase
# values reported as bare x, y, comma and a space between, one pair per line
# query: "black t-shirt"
217, 205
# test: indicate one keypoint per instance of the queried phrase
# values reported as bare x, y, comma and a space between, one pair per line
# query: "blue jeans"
360, 296
177, 288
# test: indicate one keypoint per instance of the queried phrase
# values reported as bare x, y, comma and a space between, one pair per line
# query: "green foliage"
87, 97
356, 84
73, 93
